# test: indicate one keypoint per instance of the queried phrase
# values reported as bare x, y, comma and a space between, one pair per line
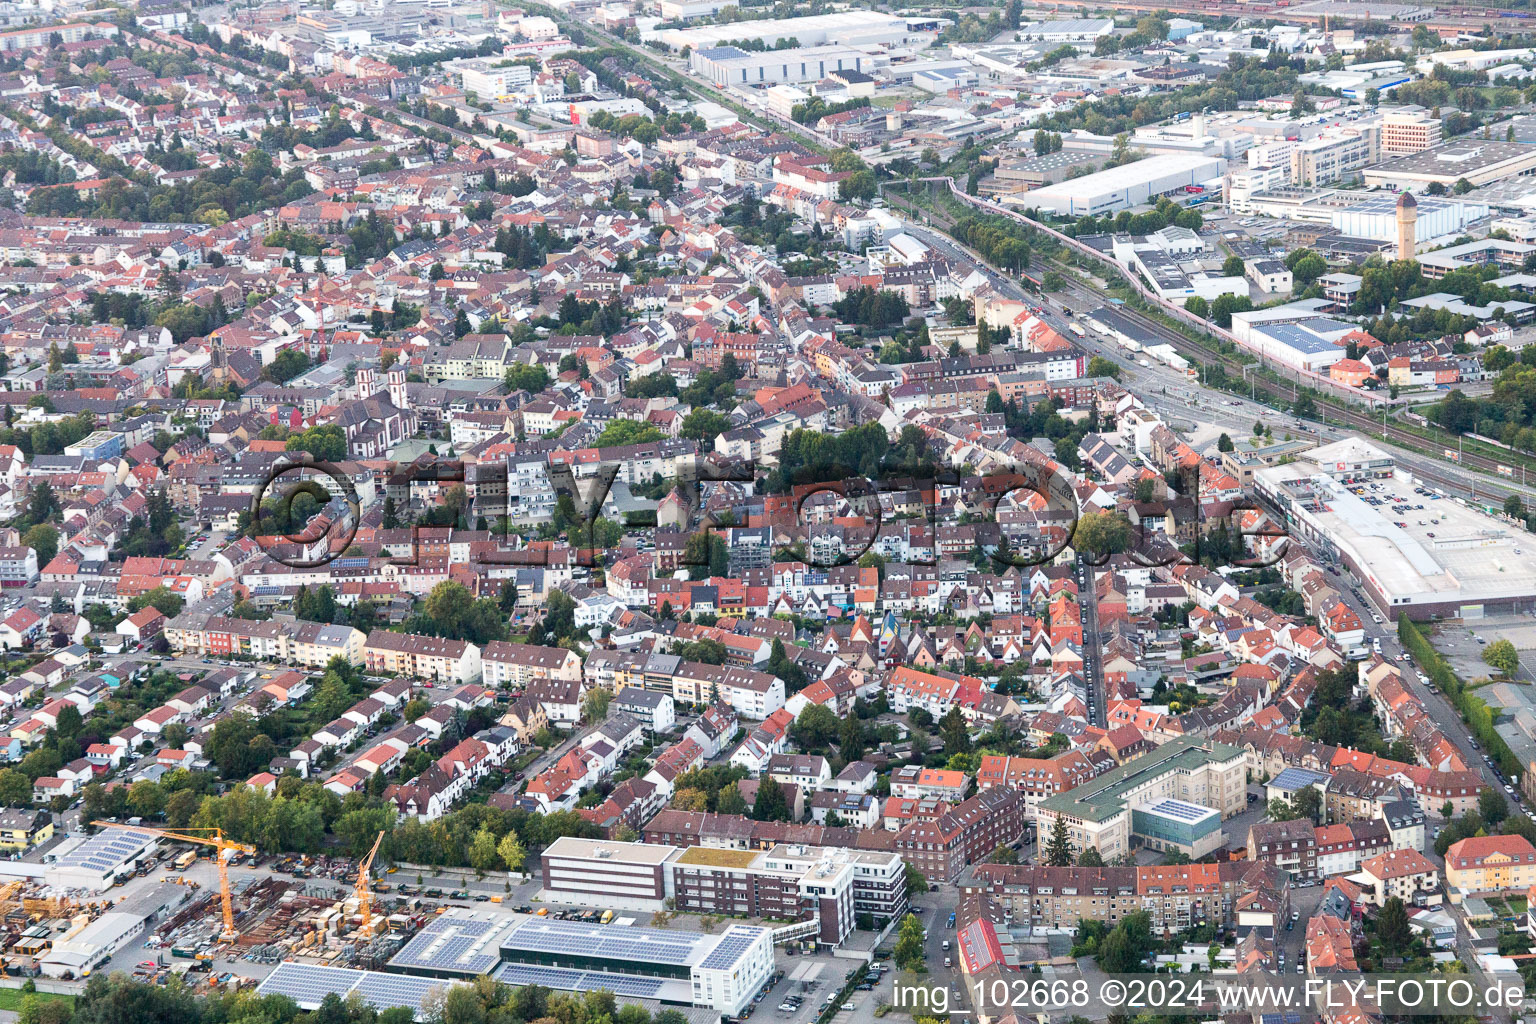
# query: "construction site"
132, 887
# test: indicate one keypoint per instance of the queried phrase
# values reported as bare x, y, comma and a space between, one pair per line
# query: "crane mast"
222, 847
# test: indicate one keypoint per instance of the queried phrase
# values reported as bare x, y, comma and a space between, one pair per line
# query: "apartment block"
421, 657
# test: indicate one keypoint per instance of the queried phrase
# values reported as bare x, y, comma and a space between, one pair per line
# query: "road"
1093, 666
693, 83
1174, 395
1358, 422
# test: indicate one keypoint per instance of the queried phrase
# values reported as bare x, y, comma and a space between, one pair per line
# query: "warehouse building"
1478, 161
1123, 187
1074, 30
308, 984
97, 863
1467, 565
1376, 217
1309, 344
847, 28
93, 943
731, 65
721, 972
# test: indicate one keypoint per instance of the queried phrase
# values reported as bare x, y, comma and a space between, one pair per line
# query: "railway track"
1233, 366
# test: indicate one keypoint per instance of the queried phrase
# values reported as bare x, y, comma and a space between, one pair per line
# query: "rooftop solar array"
106, 850
736, 941
307, 984
462, 944
581, 981
1183, 810
646, 945
386, 990
1295, 778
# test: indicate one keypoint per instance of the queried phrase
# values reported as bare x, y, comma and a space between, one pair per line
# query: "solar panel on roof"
1181, 810
580, 981
453, 943
105, 850
651, 945
729, 950
386, 990
308, 984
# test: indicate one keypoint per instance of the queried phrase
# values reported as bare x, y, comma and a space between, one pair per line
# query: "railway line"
1453, 18
1233, 365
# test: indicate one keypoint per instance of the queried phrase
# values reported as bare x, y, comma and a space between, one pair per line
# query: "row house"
513, 666
421, 657
310, 644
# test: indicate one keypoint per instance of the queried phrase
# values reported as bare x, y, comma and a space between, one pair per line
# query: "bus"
185, 860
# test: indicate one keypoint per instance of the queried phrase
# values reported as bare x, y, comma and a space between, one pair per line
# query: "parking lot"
1463, 643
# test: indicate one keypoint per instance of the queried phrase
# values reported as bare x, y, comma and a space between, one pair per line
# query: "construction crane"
222, 847
364, 892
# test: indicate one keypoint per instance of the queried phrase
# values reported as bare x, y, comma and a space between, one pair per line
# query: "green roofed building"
1139, 802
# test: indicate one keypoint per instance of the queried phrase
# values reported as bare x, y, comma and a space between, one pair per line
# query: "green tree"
1392, 925
730, 801
771, 804
1224, 443
816, 727
626, 432
168, 603
1502, 656
482, 851
908, 951
528, 377
44, 540
511, 852
1090, 858
1098, 366
327, 443
15, 788
851, 743
954, 732
1492, 806
1102, 533
1232, 266
595, 704
1058, 853
704, 425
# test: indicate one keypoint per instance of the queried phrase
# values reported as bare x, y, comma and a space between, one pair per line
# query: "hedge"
1475, 711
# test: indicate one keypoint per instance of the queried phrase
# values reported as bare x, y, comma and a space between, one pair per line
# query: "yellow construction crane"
222, 847
364, 892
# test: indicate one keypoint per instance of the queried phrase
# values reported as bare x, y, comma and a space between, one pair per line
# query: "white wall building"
1122, 187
